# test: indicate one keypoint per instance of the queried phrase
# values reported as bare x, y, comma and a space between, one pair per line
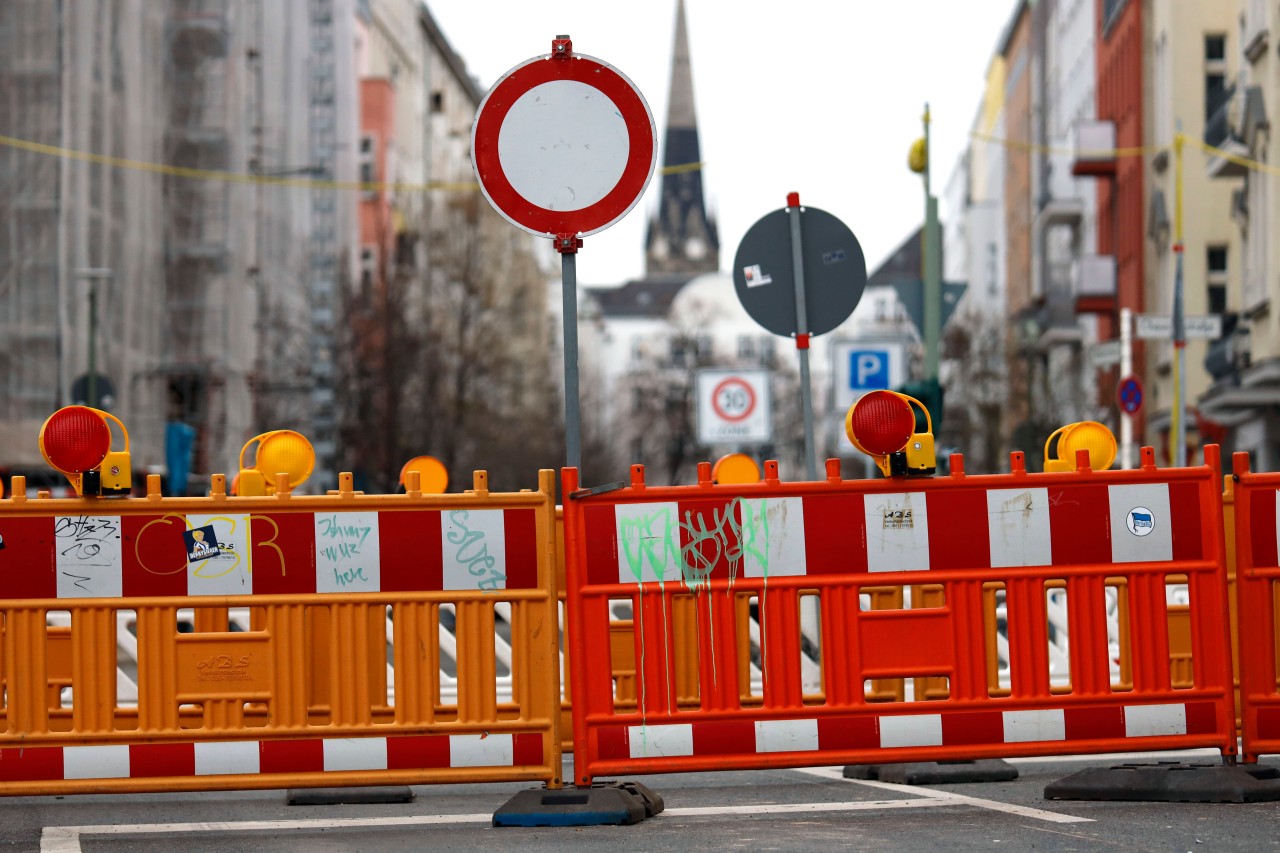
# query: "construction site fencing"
902, 581
282, 641
1257, 575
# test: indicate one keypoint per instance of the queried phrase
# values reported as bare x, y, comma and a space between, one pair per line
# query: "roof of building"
650, 296
905, 263
450, 56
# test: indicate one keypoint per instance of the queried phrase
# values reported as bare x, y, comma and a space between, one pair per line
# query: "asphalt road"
800, 810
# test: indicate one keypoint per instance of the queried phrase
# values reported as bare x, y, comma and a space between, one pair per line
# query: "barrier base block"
935, 772
370, 796
603, 804
1170, 782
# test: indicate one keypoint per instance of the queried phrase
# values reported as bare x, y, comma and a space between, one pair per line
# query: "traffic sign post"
800, 272
733, 407
563, 146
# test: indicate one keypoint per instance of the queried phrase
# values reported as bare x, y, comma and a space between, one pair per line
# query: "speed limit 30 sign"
733, 407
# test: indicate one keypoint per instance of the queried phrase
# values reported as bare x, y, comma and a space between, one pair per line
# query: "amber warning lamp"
882, 425
283, 461
76, 440
1083, 435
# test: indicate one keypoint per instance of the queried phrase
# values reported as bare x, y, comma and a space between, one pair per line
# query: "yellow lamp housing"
1082, 435
76, 440
433, 477
882, 425
280, 452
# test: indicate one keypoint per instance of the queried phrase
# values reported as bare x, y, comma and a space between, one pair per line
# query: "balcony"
1095, 149
1222, 131
1093, 284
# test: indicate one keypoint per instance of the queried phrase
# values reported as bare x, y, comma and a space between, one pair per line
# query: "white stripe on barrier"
648, 542
773, 541
95, 762
87, 556
474, 547
1141, 524
221, 758
913, 730
660, 741
786, 735
1018, 527
1155, 720
481, 751
366, 753
1027, 726
347, 558
897, 532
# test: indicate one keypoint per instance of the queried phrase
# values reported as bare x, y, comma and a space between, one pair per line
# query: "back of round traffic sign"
564, 144
835, 272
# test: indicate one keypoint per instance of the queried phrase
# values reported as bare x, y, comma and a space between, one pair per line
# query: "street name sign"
1157, 326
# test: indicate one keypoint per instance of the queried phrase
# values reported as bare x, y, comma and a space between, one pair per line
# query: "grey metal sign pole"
567, 245
802, 334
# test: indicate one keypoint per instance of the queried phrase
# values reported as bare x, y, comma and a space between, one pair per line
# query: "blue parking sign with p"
869, 369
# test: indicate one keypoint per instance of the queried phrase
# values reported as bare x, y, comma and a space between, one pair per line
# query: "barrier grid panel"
283, 641
1258, 598
698, 565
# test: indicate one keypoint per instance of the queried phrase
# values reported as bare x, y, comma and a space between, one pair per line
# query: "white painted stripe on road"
947, 796
793, 808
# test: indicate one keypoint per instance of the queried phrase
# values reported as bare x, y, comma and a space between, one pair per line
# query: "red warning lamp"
76, 440
882, 425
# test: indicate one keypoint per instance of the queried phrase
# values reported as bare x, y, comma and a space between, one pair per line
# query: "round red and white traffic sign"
564, 144
733, 399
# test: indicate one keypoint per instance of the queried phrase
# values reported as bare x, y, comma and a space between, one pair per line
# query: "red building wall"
1119, 51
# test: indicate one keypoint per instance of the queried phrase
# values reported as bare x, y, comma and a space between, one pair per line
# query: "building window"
1215, 72
766, 351
368, 163
1216, 279
437, 101
677, 351
703, 347
746, 347
368, 269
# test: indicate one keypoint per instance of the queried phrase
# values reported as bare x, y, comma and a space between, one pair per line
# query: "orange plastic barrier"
1258, 590
347, 593
773, 547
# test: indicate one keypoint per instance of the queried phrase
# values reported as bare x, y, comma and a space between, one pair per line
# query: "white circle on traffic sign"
564, 145
536, 152
733, 399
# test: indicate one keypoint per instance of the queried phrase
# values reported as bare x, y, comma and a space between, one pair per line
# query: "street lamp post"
93, 275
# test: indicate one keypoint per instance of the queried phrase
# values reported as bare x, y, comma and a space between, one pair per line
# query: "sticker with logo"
1140, 521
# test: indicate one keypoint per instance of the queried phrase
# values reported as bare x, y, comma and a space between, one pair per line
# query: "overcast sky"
821, 97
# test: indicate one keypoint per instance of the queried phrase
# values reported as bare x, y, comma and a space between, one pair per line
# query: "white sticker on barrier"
1141, 525
660, 741
364, 753
1018, 527
218, 555
1028, 726
95, 762
913, 730
87, 556
772, 537
347, 552
225, 758
786, 735
477, 751
1155, 720
648, 543
897, 532
474, 548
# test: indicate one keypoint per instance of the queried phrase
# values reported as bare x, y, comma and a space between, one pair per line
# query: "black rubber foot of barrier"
349, 796
605, 804
935, 772
1170, 782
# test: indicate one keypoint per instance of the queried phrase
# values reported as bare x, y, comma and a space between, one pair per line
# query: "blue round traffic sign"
1129, 395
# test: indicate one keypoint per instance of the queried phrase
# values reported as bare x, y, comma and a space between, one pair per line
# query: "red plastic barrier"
767, 546
1258, 591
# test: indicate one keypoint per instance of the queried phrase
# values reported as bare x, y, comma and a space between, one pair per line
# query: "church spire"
682, 236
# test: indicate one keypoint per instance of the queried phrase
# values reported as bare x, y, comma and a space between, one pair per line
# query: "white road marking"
66, 839
948, 796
